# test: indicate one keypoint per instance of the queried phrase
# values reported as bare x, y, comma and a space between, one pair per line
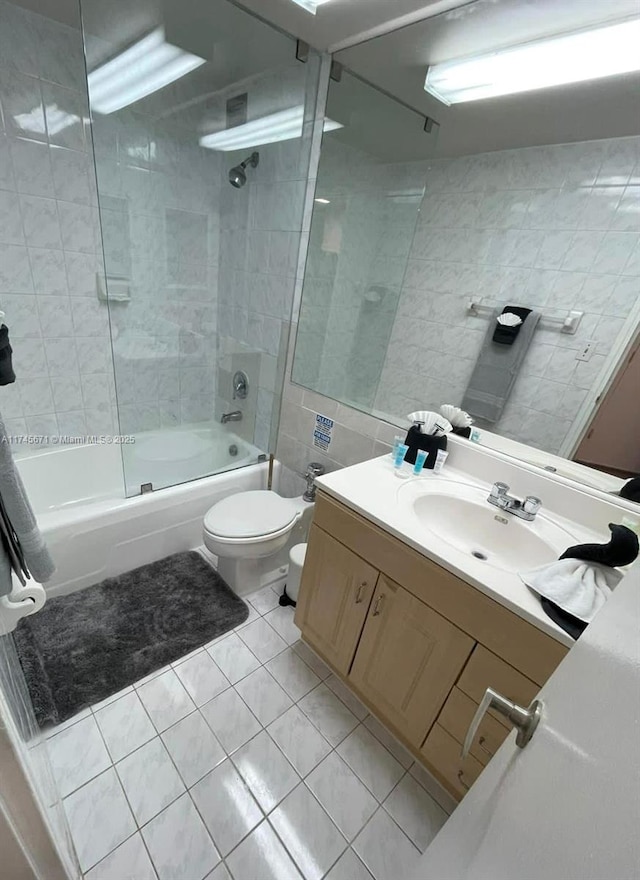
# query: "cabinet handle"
481, 744
461, 780
378, 606
360, 593
524, 720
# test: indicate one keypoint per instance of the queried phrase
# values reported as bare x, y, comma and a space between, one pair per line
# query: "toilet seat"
250, 517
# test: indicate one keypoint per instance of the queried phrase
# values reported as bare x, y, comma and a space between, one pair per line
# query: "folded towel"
7, 376
622, 549
580, 588
506, 334
496, 371
631, 490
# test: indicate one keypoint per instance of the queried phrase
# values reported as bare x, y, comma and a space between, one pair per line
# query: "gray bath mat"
84, 647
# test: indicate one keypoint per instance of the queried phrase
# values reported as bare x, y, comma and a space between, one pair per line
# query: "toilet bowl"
245, 530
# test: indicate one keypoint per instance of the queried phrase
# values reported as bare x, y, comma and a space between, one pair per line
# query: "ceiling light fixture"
144, 68
310, 5
568, 58
281, 126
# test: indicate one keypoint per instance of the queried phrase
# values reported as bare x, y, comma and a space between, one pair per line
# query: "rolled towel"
631, 490
622, 549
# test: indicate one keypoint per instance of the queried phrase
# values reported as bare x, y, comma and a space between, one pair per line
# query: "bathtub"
94, 531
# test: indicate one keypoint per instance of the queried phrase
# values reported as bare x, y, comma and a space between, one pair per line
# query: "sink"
460, 515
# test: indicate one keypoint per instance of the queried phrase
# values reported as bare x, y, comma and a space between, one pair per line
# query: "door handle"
524, 720
360, 593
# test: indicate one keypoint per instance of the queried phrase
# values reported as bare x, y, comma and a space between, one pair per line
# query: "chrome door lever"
524, 720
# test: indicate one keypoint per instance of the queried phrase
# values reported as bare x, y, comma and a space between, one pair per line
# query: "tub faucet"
526, 509
235, 416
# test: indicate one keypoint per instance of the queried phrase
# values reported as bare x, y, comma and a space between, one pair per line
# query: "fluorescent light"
323, 201
281, 126
583, 55
148, 65
310, 5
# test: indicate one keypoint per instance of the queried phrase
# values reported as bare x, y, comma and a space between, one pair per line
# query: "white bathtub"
94, 531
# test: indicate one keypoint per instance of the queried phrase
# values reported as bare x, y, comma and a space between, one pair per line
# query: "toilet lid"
249, 515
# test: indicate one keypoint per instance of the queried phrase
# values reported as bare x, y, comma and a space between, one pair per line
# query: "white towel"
578, 587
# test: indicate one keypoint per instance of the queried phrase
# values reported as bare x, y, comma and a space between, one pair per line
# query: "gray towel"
18, 509
496, 370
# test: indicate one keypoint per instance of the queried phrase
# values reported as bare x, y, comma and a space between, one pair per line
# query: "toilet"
246, 531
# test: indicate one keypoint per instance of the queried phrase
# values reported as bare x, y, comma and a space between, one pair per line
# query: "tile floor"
245, 760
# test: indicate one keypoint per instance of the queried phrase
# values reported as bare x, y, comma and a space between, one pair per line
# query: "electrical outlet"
584, 354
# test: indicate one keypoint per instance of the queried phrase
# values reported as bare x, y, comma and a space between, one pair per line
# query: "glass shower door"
202, 152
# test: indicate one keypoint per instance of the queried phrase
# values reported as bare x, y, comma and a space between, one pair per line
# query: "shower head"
237, 176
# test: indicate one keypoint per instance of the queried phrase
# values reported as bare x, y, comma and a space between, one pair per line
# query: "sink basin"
460, 515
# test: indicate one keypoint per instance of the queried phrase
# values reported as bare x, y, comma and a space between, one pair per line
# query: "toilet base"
245, 576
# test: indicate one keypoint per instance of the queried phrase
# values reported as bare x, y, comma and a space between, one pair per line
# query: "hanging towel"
577, 587
496, 370
23, 522
622, 549
7, 376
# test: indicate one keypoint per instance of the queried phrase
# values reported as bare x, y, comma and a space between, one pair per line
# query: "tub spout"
235, 416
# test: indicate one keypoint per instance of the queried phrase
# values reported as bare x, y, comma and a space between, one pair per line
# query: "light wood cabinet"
407, 660
418, 645
334, 599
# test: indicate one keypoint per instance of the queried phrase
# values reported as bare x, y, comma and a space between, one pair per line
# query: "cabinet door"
408, 659
335, 593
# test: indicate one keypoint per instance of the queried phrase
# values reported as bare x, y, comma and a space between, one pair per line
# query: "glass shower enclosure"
202, 119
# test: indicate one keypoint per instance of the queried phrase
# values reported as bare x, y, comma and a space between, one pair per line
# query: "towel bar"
569, 324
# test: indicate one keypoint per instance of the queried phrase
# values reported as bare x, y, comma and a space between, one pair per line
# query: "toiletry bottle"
397, 440
441, 457
421, 457
398, 463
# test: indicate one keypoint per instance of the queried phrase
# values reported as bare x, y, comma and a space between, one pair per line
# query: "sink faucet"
526, 509
235, 416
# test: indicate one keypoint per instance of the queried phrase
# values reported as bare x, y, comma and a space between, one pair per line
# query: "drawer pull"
378, 606
360, 593
524, 720
461, 780
481, 744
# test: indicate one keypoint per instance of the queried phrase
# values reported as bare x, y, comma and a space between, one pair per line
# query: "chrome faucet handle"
314, 469
498, 490
531, 504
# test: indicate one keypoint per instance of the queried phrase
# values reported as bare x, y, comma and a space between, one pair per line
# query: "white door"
567, 806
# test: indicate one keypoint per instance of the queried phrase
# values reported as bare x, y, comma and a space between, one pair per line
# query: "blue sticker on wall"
322, 432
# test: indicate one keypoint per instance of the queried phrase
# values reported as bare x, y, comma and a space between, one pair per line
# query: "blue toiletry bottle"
421, 457
401, 451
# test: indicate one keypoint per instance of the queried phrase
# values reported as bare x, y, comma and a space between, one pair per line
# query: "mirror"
429, 220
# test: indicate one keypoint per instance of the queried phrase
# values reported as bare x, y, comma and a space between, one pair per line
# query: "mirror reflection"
484, 254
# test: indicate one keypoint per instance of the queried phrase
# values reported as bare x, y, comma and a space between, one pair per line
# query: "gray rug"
84, 647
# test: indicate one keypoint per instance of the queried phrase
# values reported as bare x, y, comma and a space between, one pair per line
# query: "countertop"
373, 490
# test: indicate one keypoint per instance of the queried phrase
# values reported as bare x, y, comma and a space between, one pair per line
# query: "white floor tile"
231, 721
227, 806
308, 833
329, 714
301, 743
54, 730
293, 674
264, 600
150, 780
342, 795
281, 619
219, 873
348, 867
371, 762
266, 771
263, 695
130, 861
165, 700
77, 755
419, 816
253, 615
262, 857
179, 843
193, 747
124, 725
262, 639
99, 818
151, 676
385, 850
433, 788
201, 677
348, 698
234, 658
188, 656
97, 706
312, 660
389, 741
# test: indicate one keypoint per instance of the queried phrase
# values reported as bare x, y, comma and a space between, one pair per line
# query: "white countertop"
373, 490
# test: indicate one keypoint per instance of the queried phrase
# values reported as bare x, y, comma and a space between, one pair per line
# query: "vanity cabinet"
416, 644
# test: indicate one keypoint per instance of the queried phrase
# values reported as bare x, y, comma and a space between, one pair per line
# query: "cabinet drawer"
442, 752
485, 670
456, 717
